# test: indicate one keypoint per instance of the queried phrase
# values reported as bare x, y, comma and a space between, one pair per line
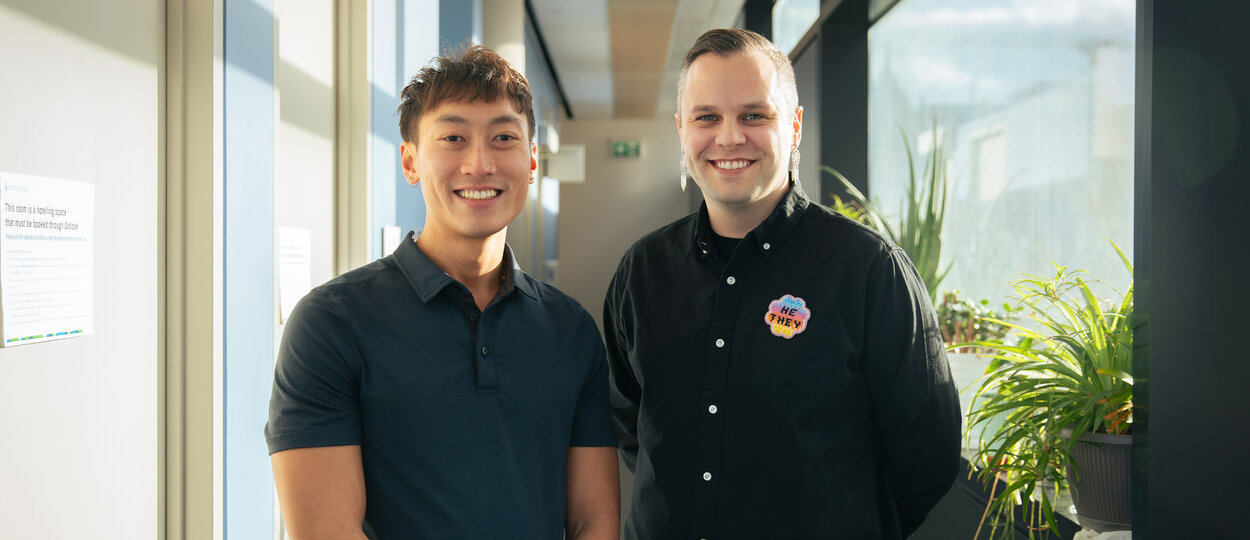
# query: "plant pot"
1103, 492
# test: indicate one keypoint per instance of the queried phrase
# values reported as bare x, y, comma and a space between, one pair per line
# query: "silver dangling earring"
683, 171
794, 164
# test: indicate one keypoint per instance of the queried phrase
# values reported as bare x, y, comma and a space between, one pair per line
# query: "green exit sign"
626, 149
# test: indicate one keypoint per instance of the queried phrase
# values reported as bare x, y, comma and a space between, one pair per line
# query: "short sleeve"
592, 423
315, 399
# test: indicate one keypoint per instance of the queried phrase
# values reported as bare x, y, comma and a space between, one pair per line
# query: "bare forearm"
315, 534
607, 529
321, 491
594, 495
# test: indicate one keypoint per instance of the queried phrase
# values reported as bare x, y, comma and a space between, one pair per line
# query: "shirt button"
712, 409
485, 351
730, 280
767, 246
474, 317
720, 344
707, 477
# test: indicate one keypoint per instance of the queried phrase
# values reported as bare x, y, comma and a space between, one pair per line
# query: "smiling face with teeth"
736, 137
473, 162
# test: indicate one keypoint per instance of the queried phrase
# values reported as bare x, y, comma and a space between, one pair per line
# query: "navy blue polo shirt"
464, 418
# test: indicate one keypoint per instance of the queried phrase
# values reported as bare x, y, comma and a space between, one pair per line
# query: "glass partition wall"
1031, 102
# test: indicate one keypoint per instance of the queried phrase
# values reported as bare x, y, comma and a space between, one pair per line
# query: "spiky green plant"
850, 209
1073, 371
923, 213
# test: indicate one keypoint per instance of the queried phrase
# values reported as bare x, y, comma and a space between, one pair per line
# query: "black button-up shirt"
794, 388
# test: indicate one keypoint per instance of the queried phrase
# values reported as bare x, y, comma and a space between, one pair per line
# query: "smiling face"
474, 163
736, 137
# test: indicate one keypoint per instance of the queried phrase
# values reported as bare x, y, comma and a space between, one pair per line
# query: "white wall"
304, 149
622, 199
80, 101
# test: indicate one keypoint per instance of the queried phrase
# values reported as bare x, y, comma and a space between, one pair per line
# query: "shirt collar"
427, 279
771, 232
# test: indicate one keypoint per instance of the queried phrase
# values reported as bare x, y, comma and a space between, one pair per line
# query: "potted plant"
1050, 396
964, 321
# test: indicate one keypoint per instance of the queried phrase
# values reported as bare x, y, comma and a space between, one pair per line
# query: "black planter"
1102, 493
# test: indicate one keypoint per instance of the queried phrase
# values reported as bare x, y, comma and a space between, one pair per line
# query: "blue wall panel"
405, 37
459, 21
249, 265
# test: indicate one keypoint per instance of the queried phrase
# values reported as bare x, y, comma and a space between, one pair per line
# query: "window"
791, 19
1033, 105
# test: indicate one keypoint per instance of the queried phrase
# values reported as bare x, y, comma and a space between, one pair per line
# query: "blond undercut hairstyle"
725, 42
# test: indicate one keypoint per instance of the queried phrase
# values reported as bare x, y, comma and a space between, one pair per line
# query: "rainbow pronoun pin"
787, 316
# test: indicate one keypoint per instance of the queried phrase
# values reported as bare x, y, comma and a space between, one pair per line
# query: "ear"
677, 116
408, 160
798, 125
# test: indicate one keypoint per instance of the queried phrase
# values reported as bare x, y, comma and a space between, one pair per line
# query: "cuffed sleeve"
315, 399
591, 423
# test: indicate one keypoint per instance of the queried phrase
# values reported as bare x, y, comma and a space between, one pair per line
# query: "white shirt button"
767, 246
712, 409
720, 344
730, 280
707, 476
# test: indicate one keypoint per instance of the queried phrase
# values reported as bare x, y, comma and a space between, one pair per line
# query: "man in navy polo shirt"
440, 392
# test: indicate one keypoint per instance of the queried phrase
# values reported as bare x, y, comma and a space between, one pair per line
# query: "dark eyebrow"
455, 119
506, 119
451, 119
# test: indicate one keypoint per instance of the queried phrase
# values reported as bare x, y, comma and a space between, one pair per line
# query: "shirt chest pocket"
799, 368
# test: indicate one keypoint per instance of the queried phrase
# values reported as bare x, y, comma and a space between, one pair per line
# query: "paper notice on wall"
391, 236
46, 264
294, 267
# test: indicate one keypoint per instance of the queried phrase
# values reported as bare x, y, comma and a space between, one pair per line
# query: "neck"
735, 221
475, 262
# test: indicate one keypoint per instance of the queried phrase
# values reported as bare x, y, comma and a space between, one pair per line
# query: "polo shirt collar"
771, 232
427, 279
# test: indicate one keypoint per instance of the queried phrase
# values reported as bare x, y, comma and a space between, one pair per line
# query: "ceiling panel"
621, 58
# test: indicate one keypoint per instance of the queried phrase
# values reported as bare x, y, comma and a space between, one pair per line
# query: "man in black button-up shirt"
777, 370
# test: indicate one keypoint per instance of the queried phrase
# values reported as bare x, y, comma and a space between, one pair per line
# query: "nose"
730, 134
477, 161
